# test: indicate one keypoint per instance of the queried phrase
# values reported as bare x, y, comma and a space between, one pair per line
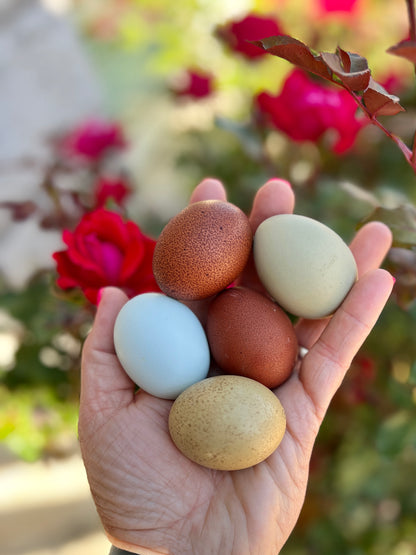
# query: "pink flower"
93, 139
305, 110
107, 188
106, 250
195, 84
237, 34
342, 10
337, 5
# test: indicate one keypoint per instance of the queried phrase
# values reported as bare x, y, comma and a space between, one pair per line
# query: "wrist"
116, 551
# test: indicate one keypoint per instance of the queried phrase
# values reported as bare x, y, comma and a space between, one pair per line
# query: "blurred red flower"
305, 110
92, 139
337, 5
106, 250
237, 34
359, 381
107, 188
194, 84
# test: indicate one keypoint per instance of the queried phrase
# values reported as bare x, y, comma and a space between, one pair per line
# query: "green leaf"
401, 221
395, 434
412, 375
249, 140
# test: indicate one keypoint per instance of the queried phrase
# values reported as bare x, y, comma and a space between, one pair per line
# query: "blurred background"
125, 105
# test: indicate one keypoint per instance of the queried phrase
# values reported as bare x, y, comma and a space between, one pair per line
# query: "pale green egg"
303, 264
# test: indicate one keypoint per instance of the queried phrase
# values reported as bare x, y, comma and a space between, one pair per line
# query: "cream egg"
303, 264
227, 422
161, 344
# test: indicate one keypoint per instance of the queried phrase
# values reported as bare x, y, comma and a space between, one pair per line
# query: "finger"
369, 247
102, 377
275, 197
326, 364
208, 189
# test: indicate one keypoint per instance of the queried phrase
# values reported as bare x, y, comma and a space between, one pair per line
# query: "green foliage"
42, 358
34, 423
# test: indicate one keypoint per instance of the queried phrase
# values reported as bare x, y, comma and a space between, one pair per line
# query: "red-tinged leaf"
405, 49
351, 69
379, 102
345, 59
296, 52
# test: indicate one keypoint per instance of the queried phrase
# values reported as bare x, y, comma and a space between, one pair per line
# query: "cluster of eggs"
231, 420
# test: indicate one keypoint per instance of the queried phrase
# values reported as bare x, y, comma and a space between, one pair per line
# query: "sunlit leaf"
351, 69
400, 220
296, 52
379, 102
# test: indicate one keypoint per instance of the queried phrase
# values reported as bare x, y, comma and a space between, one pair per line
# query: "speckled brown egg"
250, 335
227, 422
202, 250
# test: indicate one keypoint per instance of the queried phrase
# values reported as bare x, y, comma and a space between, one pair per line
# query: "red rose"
237, 34
92, 139
106, 250
194, 84
111, 188
305, 110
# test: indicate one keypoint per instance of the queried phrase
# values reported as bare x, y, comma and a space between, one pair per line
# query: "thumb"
104, 384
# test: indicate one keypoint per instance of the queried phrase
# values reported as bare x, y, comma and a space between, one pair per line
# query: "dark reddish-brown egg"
202, 250
250, 335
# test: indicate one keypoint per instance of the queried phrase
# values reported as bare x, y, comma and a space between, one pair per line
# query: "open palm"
152, 499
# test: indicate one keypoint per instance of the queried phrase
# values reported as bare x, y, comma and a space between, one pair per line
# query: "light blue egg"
161, 344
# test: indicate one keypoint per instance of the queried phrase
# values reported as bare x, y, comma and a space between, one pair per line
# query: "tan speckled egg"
303, 264
202, 250
227, 422
250, 335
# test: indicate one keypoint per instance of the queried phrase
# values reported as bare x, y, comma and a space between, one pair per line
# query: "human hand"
151, 498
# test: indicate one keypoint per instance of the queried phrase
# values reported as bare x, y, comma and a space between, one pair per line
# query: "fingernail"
100, 294
279, 180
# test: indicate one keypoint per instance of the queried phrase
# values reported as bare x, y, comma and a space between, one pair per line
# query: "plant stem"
403, 147
412, 19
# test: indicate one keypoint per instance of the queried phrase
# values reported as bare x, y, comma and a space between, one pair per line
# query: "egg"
202, 250
227, 422
161, 344
250, 335
303, 264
